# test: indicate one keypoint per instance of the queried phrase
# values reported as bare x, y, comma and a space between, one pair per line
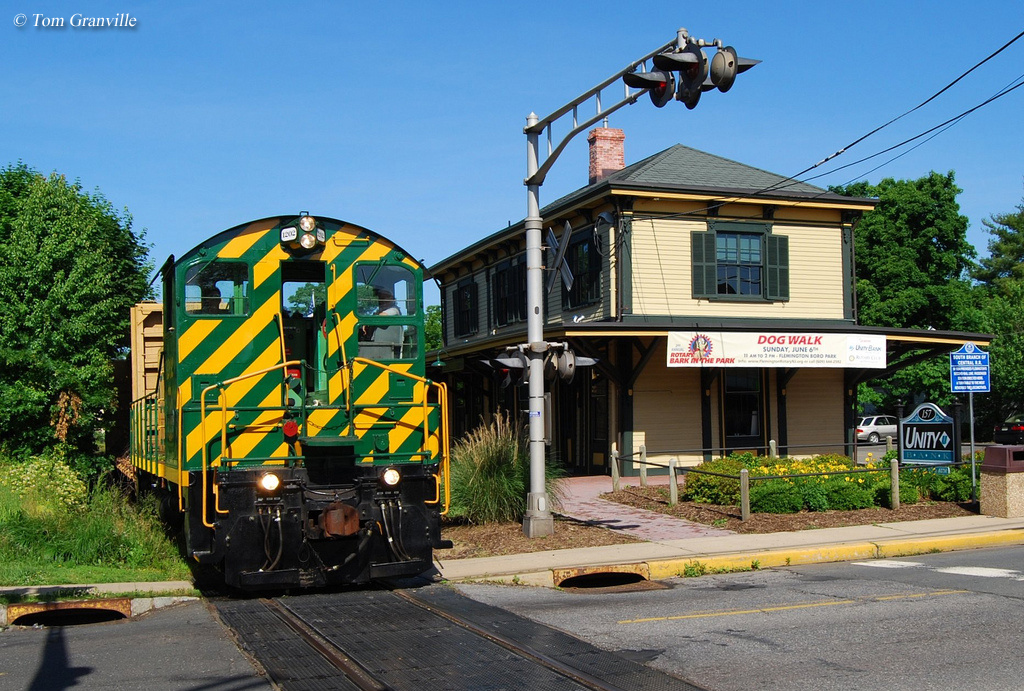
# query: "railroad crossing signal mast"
681, 71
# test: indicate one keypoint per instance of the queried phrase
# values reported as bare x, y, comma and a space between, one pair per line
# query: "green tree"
1001, 275
1006, 249
306, 296
913, 263
913, 256
70, 269
432, 328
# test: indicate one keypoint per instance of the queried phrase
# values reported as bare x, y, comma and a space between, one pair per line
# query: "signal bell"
726, 65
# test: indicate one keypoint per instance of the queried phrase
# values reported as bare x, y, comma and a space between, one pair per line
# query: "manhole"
68, 613
595, 579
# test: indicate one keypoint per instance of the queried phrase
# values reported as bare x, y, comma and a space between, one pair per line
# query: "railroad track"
428, 637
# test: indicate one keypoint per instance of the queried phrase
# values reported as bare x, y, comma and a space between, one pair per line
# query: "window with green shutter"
740, 261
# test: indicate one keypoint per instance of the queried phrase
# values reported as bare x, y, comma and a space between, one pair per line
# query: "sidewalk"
674, 544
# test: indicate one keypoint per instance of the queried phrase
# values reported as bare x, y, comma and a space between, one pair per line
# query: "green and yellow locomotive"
282, 405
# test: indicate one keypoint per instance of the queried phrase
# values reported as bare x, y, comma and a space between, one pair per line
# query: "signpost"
969, 372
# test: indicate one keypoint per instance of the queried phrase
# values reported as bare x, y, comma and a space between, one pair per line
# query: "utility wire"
919, 105
953, 120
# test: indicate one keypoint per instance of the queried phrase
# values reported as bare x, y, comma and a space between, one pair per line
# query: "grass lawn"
54, 530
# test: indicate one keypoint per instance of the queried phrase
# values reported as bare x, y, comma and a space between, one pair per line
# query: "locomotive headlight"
308, 240
269, 482
391, 477
307, 223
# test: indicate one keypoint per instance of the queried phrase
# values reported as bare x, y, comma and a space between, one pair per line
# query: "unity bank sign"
928, 435
774, 349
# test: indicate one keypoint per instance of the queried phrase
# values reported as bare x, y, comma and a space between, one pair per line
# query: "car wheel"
873, 437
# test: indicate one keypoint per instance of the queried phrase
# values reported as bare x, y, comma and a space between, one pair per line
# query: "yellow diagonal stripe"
374, 392
243, 444
234, 393
246, 238
267, 265
242, 337
340, 240
194, 335
319, 418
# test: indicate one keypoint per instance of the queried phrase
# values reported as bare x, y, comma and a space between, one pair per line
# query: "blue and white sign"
926, 436
968, 370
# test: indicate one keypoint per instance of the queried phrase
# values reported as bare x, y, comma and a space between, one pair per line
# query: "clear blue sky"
407, 117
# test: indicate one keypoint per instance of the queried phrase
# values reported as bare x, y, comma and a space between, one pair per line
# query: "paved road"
179, 648
939, 621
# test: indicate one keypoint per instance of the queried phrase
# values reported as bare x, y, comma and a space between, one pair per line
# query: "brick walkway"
581, 501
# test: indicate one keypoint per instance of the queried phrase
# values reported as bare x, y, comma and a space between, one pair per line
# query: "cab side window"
217, 289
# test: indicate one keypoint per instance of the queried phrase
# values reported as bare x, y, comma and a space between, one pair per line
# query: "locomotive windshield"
387, 304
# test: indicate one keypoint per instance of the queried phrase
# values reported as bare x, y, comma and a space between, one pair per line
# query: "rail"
145, 440
223, 409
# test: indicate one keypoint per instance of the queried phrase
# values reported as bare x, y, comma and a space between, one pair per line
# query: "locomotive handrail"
143, 450
143, 415
224, 424
443, 447
280, 329
446, 442
347, 386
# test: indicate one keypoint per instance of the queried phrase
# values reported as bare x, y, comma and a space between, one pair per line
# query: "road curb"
698, 564
135, 598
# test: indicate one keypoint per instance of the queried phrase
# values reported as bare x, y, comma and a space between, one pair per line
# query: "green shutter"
705, 272
777, 268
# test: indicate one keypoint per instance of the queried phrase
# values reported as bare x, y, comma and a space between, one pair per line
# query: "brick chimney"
607, 153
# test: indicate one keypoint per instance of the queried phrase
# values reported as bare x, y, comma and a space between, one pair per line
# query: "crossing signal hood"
660, 84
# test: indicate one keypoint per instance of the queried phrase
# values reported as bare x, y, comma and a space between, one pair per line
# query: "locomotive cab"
298, 430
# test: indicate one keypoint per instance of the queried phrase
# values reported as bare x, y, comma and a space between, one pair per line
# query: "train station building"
717, 299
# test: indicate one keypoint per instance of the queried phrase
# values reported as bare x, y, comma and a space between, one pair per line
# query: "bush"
775, 496
711, 489
45, 485
490, 473
847, 494
49, 519
815, 498
883, 493
953, 487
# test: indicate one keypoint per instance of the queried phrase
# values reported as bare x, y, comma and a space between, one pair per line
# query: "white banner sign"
774, 349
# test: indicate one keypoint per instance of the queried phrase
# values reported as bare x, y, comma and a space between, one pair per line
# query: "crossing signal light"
512, 368
692, 64
661, 84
